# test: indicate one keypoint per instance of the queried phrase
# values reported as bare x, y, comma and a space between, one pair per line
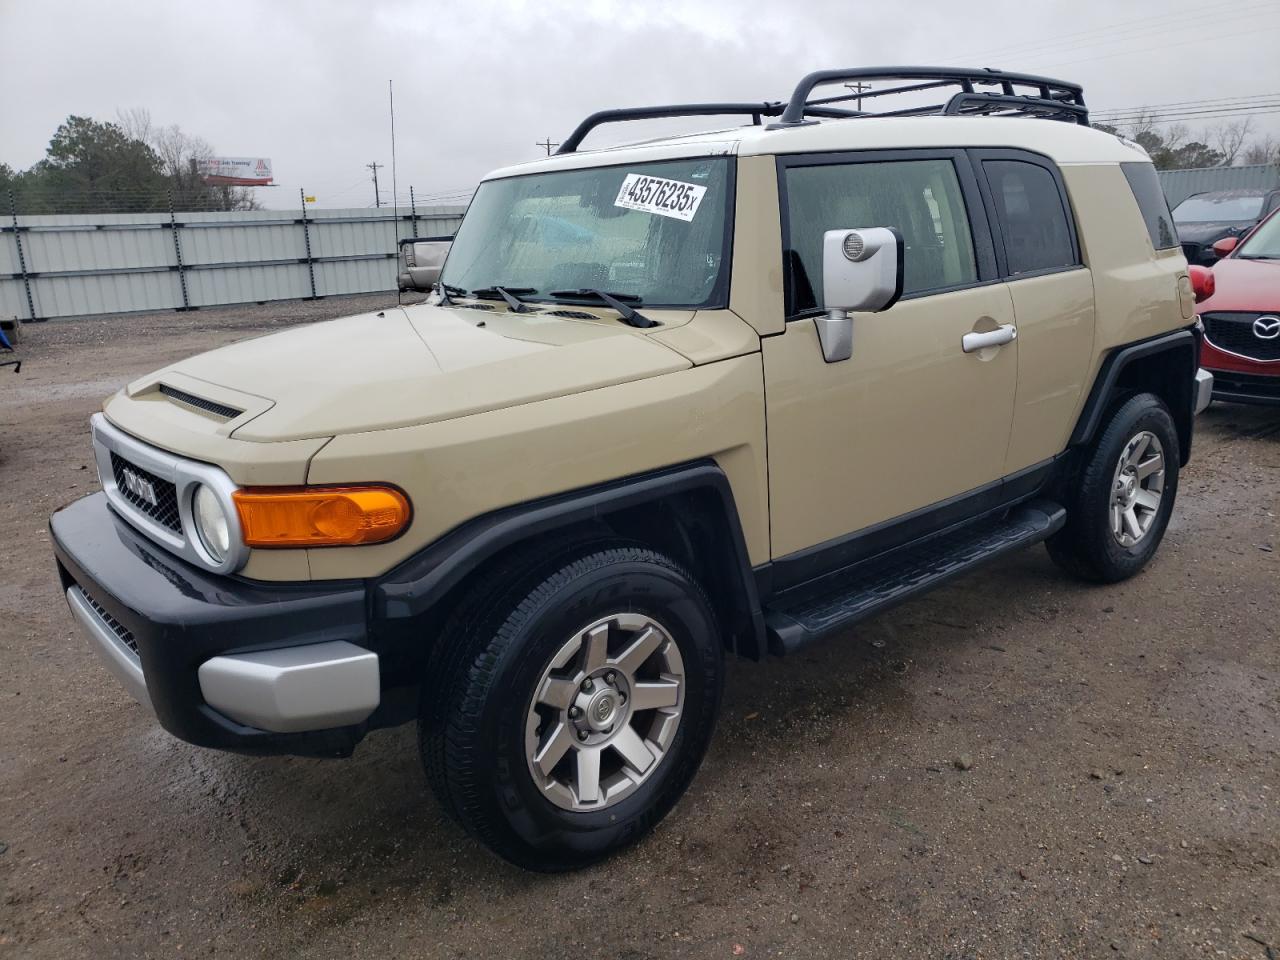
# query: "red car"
1242, 317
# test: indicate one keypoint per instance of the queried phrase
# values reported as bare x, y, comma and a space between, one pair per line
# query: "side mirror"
1224, 246
1202, 282
861, 273
421, 262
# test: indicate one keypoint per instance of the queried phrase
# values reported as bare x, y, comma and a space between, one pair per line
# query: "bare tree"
1264, 150
1229, 139
181, 154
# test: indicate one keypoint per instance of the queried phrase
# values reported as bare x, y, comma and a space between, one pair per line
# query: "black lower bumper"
177, 617
1246, 388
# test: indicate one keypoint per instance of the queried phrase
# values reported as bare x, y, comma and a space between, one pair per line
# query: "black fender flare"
1108, 379
418, 584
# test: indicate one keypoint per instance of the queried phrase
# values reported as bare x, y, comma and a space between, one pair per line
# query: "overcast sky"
478, 83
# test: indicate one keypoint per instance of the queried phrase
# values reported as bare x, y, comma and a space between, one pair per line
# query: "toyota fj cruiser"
722, 393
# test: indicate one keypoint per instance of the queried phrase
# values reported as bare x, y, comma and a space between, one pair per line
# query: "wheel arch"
1165, 366
687, 512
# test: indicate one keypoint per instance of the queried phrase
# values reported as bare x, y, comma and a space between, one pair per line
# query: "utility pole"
377, 200
547, 144
859, 87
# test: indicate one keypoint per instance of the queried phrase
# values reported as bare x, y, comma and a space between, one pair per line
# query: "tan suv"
723, 393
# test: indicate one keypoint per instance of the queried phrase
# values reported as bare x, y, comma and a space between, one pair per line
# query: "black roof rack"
977, 92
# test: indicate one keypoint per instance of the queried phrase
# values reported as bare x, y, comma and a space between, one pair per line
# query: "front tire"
575, 705
1118, 509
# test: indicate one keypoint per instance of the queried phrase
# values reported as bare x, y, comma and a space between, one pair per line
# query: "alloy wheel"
1137, 488
605, 712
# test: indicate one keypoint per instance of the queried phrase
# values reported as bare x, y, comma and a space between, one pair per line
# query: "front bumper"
1240, 379
223, 662
1247, 388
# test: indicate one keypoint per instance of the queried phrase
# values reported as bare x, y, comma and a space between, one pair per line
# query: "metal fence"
70, 265
1180, 184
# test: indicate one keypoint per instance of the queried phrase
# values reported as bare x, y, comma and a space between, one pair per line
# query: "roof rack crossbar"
768, 108
963, 77
1053, 99
987, 102
882, 92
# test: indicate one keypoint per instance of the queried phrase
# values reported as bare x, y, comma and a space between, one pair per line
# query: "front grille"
118, 628
200, 403
165, 510
1234, 332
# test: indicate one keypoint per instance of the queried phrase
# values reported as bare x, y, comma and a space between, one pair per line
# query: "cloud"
477, 84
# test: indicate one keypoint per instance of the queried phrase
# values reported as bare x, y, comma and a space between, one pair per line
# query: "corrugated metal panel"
115, 263
1180, 184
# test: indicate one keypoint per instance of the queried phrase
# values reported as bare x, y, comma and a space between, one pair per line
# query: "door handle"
973, 342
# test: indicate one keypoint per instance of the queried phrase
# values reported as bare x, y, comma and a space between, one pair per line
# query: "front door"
911, 419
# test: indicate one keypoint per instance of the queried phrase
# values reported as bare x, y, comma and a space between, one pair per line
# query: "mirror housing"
1202, 282
861, 273
421, 261
1224, 246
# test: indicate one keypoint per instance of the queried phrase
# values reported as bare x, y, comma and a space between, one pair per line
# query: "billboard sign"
235, 171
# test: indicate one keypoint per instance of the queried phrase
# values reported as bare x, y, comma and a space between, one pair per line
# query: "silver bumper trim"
118, 658
310, 687
185, 475
1204, 389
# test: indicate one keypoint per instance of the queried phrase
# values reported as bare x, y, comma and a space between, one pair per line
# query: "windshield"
658, 232
1263, 243
1208, 208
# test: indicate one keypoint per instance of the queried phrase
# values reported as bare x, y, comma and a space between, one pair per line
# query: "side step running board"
833, 603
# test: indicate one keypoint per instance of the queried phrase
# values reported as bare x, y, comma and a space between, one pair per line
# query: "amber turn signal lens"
320, 516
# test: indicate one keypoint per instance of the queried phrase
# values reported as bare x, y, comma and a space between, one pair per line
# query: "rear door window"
1145, 184
1033, 216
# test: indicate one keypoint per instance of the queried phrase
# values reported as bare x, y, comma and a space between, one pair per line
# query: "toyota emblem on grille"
144, 489
1266, 328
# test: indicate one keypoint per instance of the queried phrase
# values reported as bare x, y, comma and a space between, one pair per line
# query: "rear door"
910, 419
1038, 252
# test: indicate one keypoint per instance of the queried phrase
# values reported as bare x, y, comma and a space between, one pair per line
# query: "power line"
1160, 47
1120, 31
1175, 118
1157, 116
1224, 101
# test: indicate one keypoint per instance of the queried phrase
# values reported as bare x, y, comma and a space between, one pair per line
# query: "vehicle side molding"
425, 580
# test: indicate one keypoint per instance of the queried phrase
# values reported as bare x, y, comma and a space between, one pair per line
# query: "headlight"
211, 523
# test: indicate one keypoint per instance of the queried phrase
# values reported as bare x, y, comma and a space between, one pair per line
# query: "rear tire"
1120, 505
573, 705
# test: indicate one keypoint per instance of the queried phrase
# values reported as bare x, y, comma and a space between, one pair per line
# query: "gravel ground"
1016, 766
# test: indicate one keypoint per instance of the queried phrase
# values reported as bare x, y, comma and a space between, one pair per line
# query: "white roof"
1066, 143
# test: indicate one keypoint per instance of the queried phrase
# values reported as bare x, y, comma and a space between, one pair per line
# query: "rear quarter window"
1145, 184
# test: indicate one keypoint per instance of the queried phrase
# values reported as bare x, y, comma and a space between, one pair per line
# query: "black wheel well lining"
1164, 366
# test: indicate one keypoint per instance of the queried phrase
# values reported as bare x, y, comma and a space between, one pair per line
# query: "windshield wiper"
506, 293
448, 289
614, 300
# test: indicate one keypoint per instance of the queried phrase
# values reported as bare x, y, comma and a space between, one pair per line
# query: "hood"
1209, 232
1246, 285
413, 365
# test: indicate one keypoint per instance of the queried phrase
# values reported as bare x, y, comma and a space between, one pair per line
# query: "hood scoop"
572, 314
181, 397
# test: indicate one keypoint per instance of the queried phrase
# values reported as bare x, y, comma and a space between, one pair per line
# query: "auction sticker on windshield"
666, 198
